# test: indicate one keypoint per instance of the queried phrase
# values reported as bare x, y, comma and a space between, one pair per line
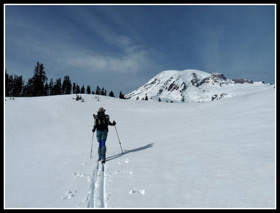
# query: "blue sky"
121, 47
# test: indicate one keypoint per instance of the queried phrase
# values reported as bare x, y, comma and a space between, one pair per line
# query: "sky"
121, 47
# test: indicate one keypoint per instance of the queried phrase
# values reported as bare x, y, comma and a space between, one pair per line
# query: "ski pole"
94, 116
91, 146
119, 139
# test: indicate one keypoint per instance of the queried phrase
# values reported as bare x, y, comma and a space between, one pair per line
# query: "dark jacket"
102, 122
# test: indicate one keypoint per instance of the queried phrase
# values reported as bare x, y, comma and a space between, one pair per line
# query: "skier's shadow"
128, 151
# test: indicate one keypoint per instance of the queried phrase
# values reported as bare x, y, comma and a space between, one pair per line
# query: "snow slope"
218, 154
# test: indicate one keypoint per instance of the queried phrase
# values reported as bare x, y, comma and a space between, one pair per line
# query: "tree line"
38, 85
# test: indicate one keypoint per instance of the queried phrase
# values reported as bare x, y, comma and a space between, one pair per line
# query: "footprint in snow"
69, 194
129, 172
126, 160
136, 191
78, 174
116, 172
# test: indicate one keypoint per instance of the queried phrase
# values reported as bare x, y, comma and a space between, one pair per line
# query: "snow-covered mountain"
192, 86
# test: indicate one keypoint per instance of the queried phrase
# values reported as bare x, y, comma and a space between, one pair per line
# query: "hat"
101, 109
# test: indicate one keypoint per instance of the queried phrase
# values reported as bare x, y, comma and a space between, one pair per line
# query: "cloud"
130, 58
105, 63
75, 40
122, 55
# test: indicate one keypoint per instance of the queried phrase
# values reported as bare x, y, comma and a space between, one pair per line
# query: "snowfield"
217, 154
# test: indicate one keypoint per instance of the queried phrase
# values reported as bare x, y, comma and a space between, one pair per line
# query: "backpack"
101, 122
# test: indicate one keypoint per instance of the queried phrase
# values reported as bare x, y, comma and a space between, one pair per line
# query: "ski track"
96, 191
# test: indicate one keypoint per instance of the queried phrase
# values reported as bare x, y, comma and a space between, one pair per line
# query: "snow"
218, 154
192, 86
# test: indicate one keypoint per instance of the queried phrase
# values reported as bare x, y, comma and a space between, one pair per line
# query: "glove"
93, 130
114, 123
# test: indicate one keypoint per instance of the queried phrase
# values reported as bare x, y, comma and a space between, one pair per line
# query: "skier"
101, 123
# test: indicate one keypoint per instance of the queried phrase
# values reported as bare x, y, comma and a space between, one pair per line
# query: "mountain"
192, 86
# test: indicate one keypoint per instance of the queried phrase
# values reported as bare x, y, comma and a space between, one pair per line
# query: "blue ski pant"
101, 138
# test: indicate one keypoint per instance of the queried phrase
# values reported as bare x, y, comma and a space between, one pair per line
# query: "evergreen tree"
38, 80
51, 90
102, 91
146, 98
83, 89
111, 94
46, 89
121, 96
88, 90
97, 92
38, 85
8, 84
74, 88
14, 85
66, 86
27, 91
57, 87
18, 85
78, 89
